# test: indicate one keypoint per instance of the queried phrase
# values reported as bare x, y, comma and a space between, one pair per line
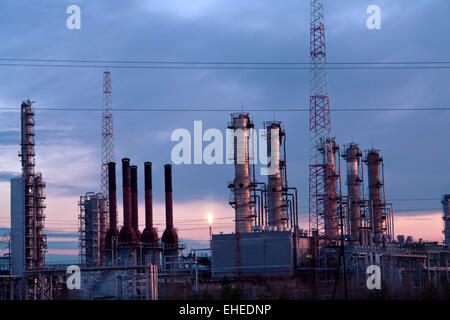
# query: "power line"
181, 62
195, 109
216, 67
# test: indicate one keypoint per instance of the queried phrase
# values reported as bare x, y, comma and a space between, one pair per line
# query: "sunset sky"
414, 144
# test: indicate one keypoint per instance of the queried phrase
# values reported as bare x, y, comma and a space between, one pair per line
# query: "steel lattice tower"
107, 132
319, 125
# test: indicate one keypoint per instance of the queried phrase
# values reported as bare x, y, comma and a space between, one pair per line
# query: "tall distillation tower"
28, 242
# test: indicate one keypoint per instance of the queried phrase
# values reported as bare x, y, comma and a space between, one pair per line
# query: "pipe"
261, 204
149, 235
296, 206
134, 202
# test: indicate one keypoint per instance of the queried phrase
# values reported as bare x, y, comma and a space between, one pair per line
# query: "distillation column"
276, 216
373, 160
353, 157
242, 184
446, 217
331, 220
35, 240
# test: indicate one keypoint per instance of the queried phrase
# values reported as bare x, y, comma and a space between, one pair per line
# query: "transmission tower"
107, 132
319, 125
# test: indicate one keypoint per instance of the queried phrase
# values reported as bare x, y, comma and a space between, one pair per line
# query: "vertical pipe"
296, 207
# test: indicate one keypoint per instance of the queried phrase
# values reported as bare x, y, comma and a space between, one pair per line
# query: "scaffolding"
93, 219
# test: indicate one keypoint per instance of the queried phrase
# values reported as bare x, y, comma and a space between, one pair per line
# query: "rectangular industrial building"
253, 253
17, 226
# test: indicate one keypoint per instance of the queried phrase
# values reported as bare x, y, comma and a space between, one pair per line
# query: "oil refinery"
347, 249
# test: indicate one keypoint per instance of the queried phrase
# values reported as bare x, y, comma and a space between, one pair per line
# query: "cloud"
7, 176
192, 9
428, 227
68, 143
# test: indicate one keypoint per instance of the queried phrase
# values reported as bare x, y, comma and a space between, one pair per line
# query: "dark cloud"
9, 137
413, 144
7, 176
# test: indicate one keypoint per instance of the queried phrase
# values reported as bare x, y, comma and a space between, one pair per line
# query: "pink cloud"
426, 226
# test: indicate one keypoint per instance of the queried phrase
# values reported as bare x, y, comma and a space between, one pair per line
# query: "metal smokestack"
274, 186
353, 156
134, 202
373, 166
127, 234
170, 237
149, 235
113, 231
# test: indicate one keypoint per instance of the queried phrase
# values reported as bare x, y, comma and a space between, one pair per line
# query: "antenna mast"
319, 124
107, 132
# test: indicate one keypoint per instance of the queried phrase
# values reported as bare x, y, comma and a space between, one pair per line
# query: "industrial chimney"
373, 160
149, 235
134, 202
241, 186
170, 237
353, 157
127, 236
113, 231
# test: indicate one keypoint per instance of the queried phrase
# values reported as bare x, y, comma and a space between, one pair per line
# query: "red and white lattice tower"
107, 132
319, 125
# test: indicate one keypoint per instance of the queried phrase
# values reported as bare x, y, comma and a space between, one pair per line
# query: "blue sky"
414, 144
